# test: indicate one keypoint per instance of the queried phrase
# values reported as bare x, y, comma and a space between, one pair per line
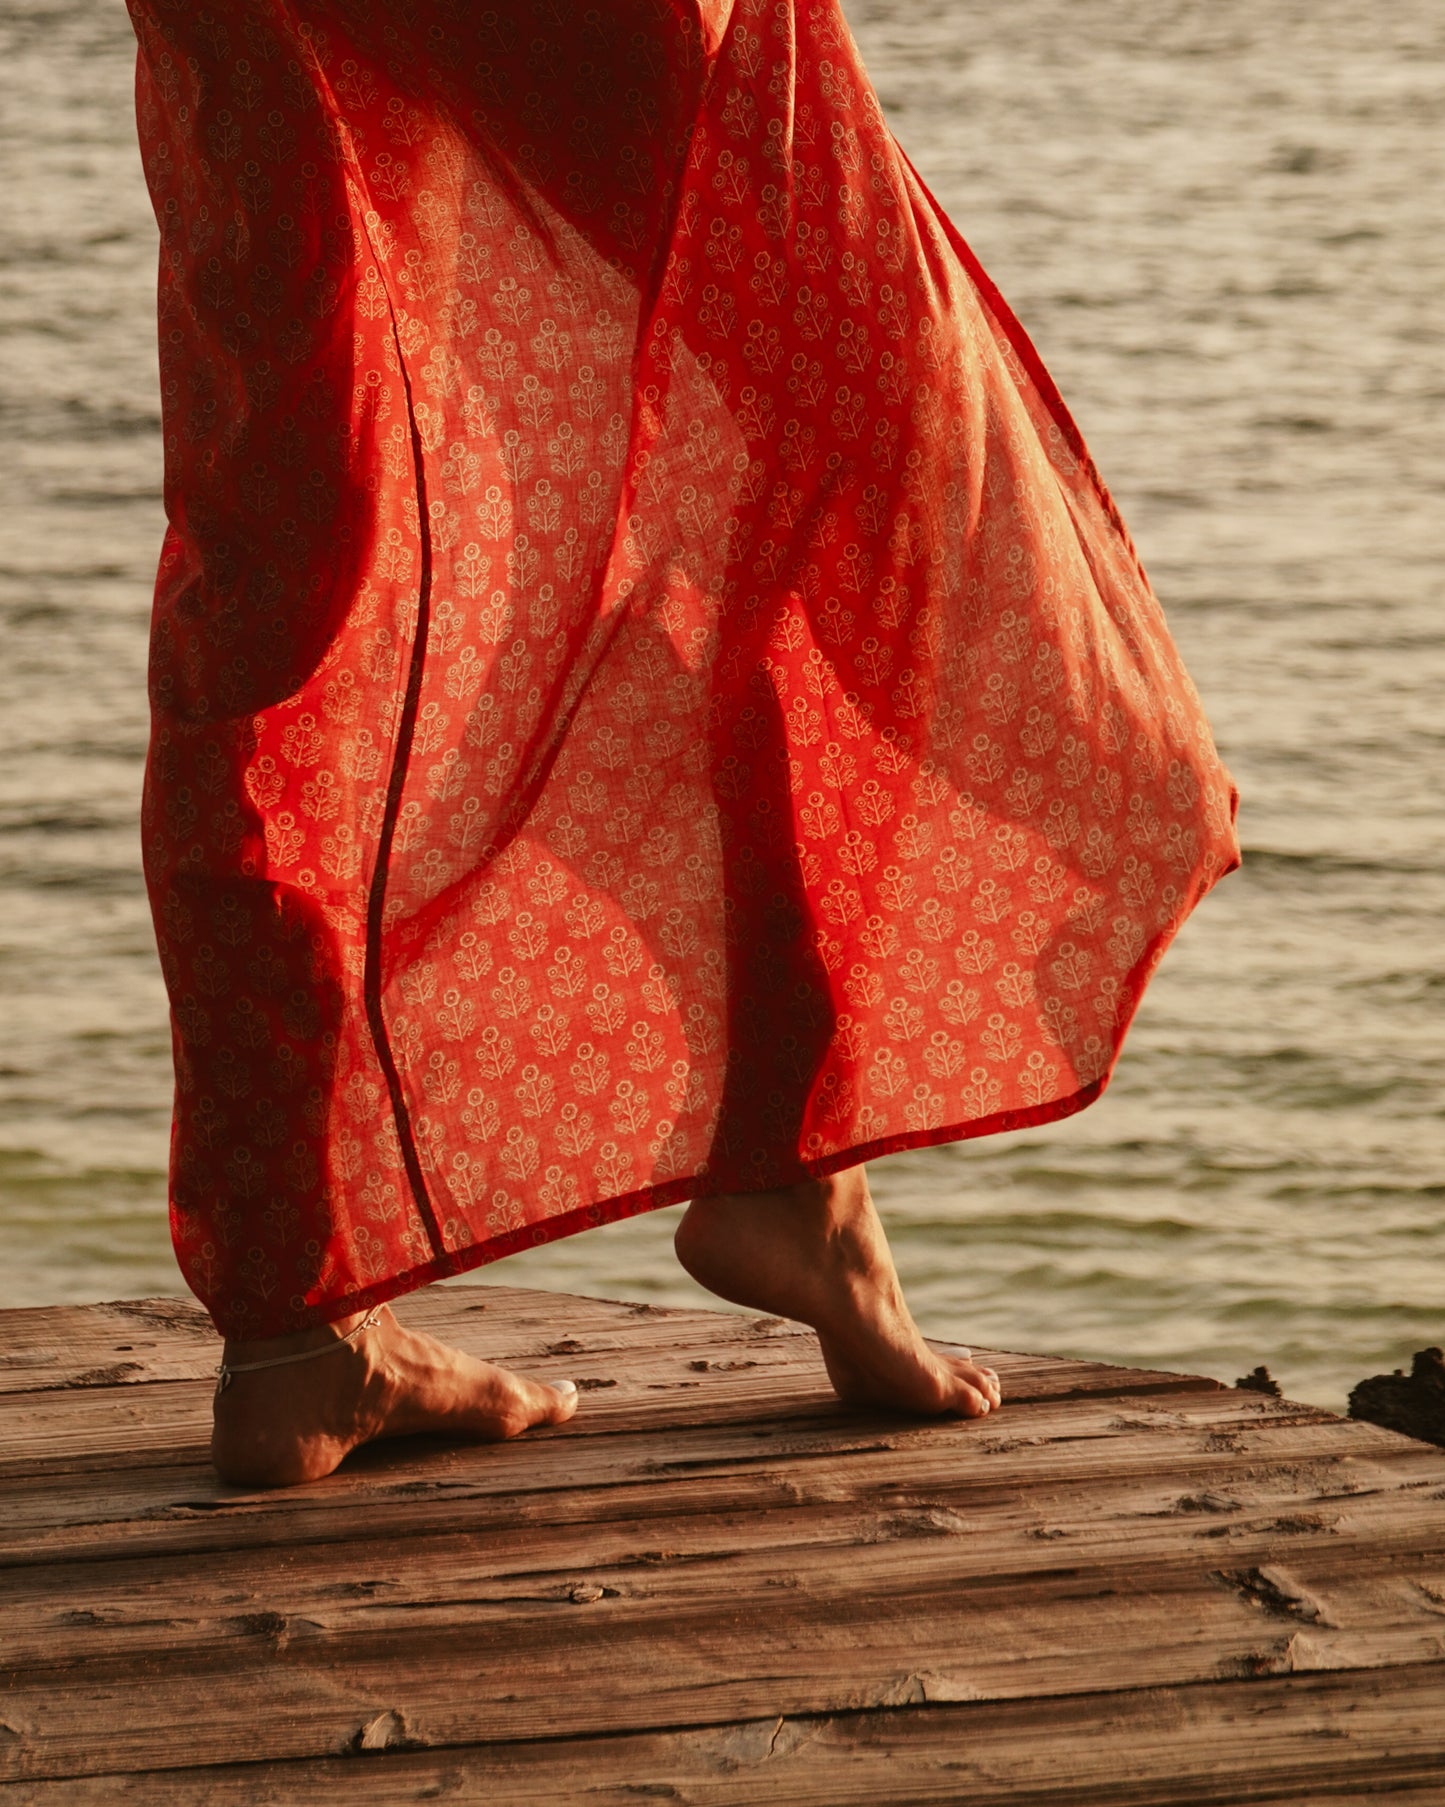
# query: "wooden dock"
714, 1586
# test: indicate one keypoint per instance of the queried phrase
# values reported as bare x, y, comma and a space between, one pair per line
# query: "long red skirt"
650, 694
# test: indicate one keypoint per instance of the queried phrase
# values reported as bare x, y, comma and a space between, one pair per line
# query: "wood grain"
714, 1580
1295, 1742
1274, 1476
136, 1342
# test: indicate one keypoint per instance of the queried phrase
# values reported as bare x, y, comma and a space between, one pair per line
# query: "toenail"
564, 1386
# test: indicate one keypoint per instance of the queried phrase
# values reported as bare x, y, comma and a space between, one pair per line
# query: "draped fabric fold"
650, 694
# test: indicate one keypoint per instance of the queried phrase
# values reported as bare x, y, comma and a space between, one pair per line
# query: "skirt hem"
672, 1192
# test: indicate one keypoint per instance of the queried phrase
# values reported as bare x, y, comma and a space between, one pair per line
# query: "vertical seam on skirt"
401, 759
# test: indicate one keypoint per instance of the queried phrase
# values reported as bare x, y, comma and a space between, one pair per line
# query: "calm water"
1221, 224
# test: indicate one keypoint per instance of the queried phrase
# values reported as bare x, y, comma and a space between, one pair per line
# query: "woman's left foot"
296, 1422
818, 1253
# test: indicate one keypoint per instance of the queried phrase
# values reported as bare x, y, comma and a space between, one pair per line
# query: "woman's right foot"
818, 1253
296, 1422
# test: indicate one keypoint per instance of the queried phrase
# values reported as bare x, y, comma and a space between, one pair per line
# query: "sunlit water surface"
1221, 225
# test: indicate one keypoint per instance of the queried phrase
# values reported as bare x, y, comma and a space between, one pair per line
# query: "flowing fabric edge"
679, 1191
671, 1192
373, 984
1029, 356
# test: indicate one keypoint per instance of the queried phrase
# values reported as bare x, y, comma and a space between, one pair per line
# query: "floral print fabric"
650, 695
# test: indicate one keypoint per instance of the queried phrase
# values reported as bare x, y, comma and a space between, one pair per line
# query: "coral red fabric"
650, 695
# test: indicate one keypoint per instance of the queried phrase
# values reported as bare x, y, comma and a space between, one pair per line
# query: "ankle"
292, 1342
838, 1200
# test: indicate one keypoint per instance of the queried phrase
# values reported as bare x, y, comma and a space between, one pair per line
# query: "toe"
958, 1358
525, 1405
535, 1402
563, 1402
976, 1383
969, 1402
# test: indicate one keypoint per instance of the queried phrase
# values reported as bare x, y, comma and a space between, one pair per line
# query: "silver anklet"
226, 1371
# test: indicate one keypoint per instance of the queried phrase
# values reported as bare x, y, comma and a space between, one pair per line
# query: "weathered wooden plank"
286, 1662
1209, 1452
52, 1337
59, 1348
135, 1341
104, 1615
695, 1384
1294, 1742
1186, 1493
1122, 1492
130, 1342
52, 1513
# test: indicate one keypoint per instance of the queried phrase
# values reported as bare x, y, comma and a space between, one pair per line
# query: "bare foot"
817, 1252
295, 1423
